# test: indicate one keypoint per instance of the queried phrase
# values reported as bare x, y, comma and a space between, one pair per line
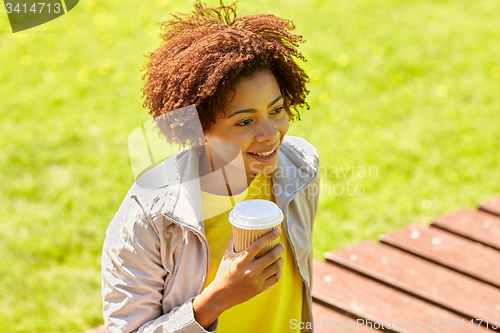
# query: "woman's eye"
247, 121
244, 122
278, 109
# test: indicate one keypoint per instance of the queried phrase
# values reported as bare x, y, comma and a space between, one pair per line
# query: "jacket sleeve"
133, 278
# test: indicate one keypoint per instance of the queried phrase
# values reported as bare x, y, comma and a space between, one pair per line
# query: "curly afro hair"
205, 53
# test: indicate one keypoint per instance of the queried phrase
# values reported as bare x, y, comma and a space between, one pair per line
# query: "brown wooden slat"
421, 278
326, 320
468, 257
492, 206
365, 298
475, 225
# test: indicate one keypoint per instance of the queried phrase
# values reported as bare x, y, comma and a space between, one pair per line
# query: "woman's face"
255, 120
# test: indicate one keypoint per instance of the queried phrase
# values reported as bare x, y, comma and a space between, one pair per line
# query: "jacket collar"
183, 202
292, 173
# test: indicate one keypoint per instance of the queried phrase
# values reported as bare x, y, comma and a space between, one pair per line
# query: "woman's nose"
267, 132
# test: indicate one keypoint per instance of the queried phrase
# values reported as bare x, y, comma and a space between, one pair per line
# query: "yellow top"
272, 310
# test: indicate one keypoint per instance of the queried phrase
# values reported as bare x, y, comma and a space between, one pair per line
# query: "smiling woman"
168, 259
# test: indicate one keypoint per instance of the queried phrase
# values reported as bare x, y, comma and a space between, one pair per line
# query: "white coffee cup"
252, 219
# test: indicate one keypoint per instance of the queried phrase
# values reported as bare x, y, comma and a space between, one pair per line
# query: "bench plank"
362, 297
454, 252
475, 225
328, 320
421, 278
492, 206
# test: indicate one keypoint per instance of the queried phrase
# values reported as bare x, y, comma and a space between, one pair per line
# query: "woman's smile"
265, 156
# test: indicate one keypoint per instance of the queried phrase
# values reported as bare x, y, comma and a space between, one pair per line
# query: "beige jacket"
156, 257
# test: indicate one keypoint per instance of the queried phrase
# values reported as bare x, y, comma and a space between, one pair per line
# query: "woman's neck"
226, 180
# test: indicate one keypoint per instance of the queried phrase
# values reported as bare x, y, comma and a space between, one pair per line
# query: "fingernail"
277, 232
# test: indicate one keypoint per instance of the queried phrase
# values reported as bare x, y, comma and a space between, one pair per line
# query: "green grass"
407, 88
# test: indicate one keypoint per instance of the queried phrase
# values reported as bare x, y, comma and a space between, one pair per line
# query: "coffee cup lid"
255, 214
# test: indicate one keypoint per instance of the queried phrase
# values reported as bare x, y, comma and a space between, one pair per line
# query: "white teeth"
265, 154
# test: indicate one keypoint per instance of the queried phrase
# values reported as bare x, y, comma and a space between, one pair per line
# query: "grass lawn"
404, 114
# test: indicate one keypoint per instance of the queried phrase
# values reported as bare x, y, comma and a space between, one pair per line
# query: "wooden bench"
439, 278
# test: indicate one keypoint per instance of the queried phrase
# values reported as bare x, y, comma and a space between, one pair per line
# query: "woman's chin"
266, 170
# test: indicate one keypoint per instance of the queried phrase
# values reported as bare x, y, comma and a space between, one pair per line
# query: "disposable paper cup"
253, 219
